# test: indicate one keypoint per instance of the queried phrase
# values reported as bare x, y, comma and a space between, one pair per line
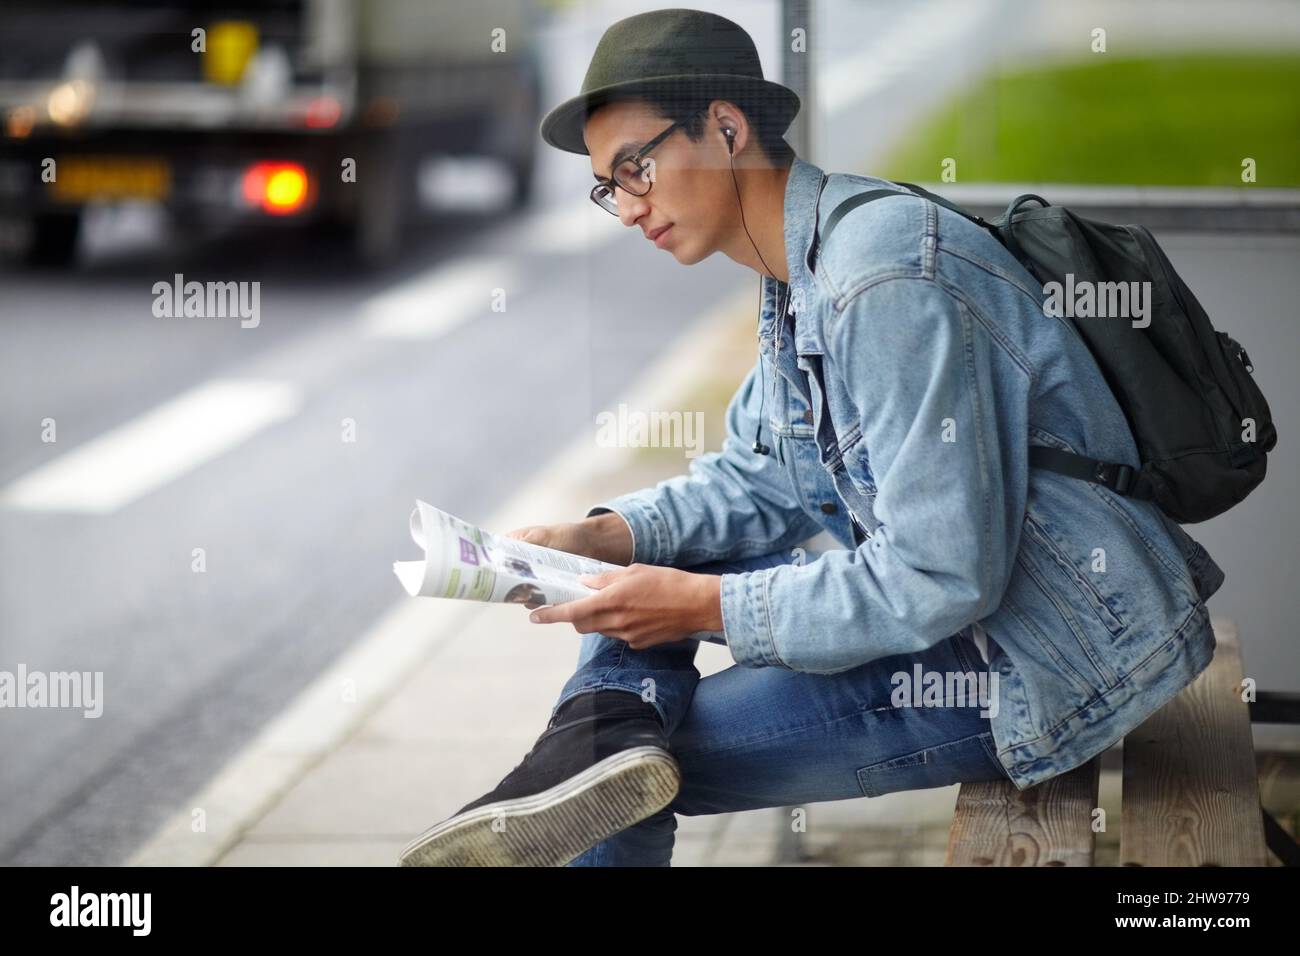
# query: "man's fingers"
578, 613
552, 615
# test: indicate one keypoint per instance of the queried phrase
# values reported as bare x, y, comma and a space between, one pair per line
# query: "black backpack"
1185, 388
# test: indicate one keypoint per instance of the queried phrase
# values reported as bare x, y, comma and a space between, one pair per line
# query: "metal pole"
796, 71
796, 74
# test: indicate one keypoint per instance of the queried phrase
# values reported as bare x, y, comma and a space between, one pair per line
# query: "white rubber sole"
553, 827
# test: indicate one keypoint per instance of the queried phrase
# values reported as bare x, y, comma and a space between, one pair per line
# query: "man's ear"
729, 117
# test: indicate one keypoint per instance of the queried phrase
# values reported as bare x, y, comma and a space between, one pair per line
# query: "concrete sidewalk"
441, 699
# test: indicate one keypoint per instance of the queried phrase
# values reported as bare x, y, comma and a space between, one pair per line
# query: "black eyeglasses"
629, 175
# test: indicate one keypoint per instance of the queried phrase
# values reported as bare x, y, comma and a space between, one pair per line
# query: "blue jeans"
747, 738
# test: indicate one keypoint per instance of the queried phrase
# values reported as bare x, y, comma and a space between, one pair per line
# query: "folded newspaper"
462, 561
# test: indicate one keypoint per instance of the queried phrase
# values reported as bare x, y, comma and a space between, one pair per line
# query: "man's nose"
630, 208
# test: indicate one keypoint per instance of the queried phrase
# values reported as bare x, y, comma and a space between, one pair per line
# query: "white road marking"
433, 303
138, 456
573, 227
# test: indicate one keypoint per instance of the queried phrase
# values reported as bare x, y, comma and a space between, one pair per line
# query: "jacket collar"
803, 188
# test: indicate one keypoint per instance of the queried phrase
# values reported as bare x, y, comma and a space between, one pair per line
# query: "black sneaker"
601, 765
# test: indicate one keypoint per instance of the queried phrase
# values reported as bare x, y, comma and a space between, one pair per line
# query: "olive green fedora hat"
686, 50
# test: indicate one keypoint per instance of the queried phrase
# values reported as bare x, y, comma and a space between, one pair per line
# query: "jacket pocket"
1094, 598
858, 466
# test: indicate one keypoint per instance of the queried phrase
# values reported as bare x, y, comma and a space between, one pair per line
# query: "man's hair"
690, 106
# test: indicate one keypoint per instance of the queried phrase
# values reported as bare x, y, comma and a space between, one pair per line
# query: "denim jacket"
900, 394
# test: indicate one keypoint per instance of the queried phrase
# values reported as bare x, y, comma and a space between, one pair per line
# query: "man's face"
690, 190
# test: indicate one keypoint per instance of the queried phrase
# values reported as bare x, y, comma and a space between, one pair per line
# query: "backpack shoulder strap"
838, 213
846, 206
852, 203
1119, 478
951, 206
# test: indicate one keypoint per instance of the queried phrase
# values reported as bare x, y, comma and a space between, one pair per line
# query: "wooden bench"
1190, 791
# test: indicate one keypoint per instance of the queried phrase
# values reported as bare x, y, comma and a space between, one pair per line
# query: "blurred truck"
271, 114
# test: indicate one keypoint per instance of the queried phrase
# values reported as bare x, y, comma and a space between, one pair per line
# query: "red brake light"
322, 112
277, 188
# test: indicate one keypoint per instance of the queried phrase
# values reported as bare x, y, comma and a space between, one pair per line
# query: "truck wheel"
54, 239
522, 173
386, 193
524, 156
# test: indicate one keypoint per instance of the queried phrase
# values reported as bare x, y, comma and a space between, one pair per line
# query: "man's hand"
643, 604
604, 537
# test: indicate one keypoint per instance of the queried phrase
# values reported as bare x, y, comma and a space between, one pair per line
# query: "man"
905, 367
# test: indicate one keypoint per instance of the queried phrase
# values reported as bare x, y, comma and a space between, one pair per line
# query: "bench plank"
1191, 788
1050, 824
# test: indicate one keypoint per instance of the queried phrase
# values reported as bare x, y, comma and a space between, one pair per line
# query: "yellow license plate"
85, 178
